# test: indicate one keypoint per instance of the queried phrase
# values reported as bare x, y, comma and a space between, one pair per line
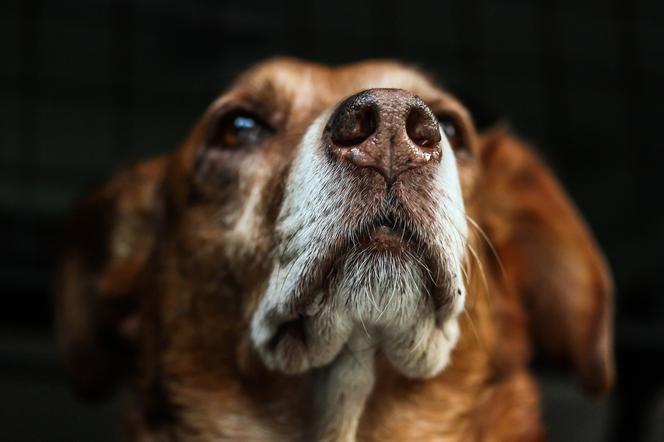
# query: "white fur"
382, 295
344, 388
376, 298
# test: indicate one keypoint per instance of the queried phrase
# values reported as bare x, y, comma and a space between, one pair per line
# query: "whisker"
387, 306
484, 237
421, 263
479, 229
423, 337
474, 328
359, 315
465, 275
489, 243
371, 298
482, 274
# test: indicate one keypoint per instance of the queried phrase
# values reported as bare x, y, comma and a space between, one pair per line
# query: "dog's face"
311, 204
336, 195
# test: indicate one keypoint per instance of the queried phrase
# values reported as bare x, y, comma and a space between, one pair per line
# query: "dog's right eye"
237, 130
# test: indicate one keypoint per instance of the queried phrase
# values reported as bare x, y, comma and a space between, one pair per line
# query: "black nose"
388, 130
354, 120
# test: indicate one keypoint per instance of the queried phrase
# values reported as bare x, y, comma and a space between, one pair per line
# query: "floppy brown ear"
550, 258
107, 242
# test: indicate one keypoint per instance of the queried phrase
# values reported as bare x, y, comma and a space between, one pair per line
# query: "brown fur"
156, 287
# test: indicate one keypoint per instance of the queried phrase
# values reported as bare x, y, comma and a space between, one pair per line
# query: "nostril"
352, 124
422, 127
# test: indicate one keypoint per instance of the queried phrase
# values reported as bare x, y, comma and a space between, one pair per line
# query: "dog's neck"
359, 396
343, 390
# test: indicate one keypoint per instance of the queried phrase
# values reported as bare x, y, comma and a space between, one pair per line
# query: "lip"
387, 234
386, 239
383, 232
391, 235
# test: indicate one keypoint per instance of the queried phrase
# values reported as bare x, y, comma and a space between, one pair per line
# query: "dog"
334, 254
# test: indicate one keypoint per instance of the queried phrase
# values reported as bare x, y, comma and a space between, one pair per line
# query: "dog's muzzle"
373, 234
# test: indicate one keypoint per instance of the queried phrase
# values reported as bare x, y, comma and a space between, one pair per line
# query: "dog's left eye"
238, 130
453, 132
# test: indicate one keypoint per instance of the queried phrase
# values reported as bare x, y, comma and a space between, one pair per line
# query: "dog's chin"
383, 290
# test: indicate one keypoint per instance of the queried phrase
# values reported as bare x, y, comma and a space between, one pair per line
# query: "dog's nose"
388, 130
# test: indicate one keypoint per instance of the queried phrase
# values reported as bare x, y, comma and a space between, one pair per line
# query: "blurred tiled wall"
89, 85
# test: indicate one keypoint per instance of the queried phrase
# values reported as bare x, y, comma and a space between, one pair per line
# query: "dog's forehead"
309, 84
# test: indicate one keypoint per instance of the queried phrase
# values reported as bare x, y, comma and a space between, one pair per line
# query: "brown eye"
237, 130
453, 133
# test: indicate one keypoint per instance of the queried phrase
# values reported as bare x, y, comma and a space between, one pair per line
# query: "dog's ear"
106, 246
550, 258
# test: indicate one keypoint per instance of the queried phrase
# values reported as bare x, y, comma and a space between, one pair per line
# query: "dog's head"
311, 203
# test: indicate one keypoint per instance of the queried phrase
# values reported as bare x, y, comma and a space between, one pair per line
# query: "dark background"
88, 85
